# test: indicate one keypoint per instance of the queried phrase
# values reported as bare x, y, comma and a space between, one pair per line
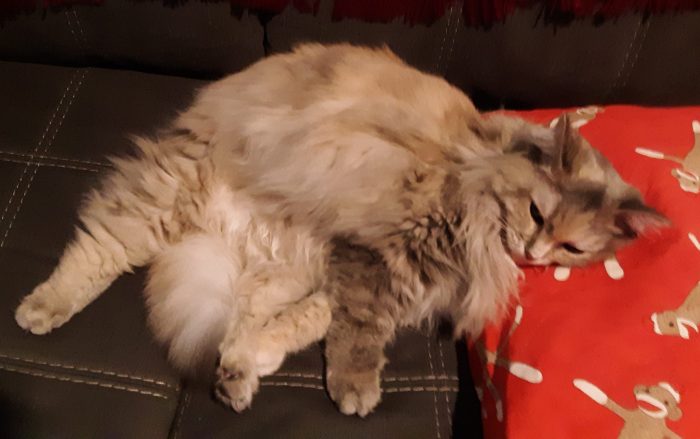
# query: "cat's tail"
190, 299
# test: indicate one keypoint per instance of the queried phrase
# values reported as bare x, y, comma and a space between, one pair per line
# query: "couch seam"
400, 389
615, 85
438, 62
36, 168
642, 39
448, 389
152, 381
455, 29
51, 157
82, 381
72, 31
38, 145
104, 372
448, 410
435, 404
53, 165
398, 378
80, 29
181, 413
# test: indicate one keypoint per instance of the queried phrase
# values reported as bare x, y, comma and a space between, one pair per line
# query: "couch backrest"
523, 62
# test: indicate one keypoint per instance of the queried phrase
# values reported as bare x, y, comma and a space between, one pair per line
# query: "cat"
334, 191
455, 248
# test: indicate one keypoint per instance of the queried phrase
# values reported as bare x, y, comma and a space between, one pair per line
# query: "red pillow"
612, 351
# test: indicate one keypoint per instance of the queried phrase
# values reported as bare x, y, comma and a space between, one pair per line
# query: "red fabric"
594, 328
475, 12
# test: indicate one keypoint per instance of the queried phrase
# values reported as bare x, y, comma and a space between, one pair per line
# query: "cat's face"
569, 207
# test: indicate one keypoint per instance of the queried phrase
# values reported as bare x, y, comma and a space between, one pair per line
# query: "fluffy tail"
191, 302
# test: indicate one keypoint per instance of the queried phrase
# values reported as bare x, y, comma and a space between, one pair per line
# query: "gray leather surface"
526, 62
201, 38
522, 62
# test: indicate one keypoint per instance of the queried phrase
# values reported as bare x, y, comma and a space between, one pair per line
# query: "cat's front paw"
235, 386
355, 393
40, 313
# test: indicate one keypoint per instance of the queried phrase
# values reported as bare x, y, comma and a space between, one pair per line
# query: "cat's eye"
571, 249
536, 214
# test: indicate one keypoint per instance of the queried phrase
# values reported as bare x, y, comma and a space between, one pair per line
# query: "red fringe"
475, 12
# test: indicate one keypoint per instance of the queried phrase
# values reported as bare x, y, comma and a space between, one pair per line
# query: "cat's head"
562, 202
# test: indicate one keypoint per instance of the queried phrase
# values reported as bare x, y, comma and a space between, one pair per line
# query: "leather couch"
76, 81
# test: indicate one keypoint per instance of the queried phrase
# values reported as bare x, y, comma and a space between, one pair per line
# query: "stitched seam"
444, 371
290, 384
55, 165
423, 378
63, 159
80, 29
72, 31
642, 38
108, 373
423, 389
404, 389
36, 168
438, 62
435, 404
448, 59
614, 84
298, 375
385, 379
180, 414
36, 148
81, 381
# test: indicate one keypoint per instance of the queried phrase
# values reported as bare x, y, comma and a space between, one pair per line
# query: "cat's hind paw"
235, 387
355, 394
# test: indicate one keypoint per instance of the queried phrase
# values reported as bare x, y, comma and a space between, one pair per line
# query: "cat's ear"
568, 145
633, 218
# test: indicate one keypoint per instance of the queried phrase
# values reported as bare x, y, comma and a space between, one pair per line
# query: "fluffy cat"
334, 179
455, 250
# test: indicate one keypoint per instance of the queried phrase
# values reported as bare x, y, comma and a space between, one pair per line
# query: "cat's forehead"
583, 196
581, 212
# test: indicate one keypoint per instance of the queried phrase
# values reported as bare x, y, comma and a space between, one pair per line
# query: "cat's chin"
522, 261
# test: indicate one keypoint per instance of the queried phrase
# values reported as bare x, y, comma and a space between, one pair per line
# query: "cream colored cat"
334, 179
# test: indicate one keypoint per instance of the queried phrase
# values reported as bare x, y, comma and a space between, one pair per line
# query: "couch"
76, 80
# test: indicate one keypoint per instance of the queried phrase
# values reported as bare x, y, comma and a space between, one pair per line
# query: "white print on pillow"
580, 117
694, 240
688, 175
612, 267
678, 322
661, 402
521, 370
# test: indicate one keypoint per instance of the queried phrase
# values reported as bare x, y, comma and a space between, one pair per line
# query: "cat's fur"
333, 178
